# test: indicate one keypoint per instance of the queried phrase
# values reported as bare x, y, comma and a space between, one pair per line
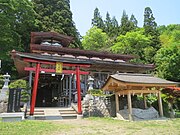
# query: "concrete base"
31, 118
12, 117
79, 116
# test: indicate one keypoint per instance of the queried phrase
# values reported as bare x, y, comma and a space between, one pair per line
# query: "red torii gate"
37, 70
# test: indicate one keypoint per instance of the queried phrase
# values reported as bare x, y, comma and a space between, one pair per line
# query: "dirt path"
88, 127
100, 126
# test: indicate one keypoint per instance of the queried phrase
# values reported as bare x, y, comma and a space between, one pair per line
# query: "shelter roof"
130, 81
140, 78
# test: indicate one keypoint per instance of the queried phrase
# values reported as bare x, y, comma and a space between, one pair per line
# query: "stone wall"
3, 106
96, 106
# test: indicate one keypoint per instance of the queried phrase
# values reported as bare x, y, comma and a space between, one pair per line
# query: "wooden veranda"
136, 84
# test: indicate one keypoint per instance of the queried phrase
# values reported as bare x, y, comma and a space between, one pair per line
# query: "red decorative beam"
53, 71
53, 63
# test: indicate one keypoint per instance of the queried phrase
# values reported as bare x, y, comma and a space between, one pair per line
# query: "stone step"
51, 112
54, 113
67, 112
36, 113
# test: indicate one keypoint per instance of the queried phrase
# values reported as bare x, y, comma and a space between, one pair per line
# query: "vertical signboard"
59, 67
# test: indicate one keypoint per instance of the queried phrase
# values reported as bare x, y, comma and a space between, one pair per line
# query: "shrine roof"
106, 65
78, 52
38, 37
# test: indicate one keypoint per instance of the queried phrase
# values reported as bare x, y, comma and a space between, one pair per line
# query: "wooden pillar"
160, 104
70, 88
30, 85
78, 86
129, 106
145, 103
117, 102
34, 93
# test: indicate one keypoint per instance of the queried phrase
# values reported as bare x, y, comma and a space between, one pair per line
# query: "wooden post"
70, 89
160, 104
78, 86
117, 102
30, 85
145, 103
129, 106
33, 100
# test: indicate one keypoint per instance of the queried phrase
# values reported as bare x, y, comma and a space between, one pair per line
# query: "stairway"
69, 113
53, 113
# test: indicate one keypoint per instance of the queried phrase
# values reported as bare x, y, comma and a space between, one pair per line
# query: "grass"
91, 126
30, 128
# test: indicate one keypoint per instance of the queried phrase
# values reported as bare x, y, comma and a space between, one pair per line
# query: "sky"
165, 11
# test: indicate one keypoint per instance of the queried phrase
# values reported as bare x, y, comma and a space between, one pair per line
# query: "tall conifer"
55, 15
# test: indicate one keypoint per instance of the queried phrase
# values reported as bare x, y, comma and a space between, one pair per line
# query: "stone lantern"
90, 82
5, 88
6, 81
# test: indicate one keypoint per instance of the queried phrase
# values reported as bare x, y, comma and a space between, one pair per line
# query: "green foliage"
125, 24
96, 92
55, 15
133, 21
134, 43
25, 95
168, 62
150, 27
1, 81
97, 20
111, 26
16, 21
95, 39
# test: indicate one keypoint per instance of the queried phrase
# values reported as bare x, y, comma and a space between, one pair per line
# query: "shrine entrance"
56, 68
55, 90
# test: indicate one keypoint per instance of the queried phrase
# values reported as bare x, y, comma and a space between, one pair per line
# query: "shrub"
1, 81
22, 84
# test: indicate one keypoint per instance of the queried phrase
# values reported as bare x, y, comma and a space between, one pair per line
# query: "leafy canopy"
134, 43
95, 39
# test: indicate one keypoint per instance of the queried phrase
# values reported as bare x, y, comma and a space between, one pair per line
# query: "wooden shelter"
136, 84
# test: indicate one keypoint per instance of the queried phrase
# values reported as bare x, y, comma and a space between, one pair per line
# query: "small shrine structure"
136, 84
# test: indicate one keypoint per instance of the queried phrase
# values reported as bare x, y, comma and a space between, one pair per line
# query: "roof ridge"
133, 74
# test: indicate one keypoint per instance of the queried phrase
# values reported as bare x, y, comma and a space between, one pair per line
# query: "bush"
1, 81
22, 84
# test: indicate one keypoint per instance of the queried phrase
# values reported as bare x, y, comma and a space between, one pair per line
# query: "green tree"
108, 24
95, 39
55, 15
133, 22
169, 34
168, 57
125, 24
134, 43
115, 28
16, 22
168, 62
111, 26
97, 20
150, 27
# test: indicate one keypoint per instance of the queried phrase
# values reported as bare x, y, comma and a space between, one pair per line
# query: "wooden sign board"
59, 67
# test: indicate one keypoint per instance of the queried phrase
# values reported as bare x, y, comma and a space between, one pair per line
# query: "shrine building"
58, 74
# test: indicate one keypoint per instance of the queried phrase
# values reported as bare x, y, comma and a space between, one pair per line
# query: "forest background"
150, 44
